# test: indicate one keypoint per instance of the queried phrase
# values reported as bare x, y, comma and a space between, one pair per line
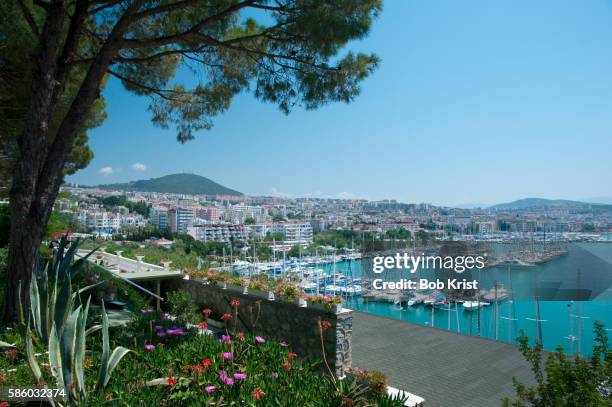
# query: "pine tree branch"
29, 18
169, 39
159, 92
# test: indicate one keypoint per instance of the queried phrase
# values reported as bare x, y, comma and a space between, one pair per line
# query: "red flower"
292, 355
197, 368
11, 353
203, 325
287, 365
257, 394
171, 381
2, 378
347, 401
206, 362
240, 336
235, 303
325, 325
4, 404
207, 311
226, 317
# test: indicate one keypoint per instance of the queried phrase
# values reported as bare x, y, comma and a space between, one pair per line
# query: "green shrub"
565, 380
182, 307
374, 381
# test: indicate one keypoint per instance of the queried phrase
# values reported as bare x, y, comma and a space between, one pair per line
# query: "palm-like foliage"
60, 324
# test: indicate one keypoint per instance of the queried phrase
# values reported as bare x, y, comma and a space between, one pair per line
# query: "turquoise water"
587, 266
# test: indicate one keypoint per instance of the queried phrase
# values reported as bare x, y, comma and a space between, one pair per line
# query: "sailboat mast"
496, 315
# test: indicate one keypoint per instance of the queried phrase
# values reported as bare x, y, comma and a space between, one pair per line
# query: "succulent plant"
60, 324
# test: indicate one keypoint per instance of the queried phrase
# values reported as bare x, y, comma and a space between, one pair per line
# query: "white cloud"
106, 170
277, 193
139, 166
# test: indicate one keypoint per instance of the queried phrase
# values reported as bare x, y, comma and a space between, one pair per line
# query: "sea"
573, 291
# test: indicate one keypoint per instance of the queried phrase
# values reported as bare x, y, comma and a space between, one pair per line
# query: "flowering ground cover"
175, 365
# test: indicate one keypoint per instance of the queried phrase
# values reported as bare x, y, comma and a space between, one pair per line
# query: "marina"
505, 305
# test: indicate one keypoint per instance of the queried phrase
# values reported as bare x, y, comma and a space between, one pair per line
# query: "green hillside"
175, 183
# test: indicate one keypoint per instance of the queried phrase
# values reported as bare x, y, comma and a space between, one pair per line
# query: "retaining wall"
279, 320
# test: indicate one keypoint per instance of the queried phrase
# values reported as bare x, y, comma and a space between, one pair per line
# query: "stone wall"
279, 320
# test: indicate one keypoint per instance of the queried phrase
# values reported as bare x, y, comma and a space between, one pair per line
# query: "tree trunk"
26, 236
29, 217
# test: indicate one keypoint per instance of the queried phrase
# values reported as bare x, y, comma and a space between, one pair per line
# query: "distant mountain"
607, 200
175, 184
540, 203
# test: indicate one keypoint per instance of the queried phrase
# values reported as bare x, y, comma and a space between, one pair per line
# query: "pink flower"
210, 389
229, 381
227, 355
222, 374
226, 338
240, 376
149, 347
284, 344
176, 331
259, 339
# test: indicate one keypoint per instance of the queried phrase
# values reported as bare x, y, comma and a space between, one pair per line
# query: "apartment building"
179, 219
218, 232
158, 216
294, 232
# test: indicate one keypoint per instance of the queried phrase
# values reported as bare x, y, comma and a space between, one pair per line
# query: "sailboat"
472, 305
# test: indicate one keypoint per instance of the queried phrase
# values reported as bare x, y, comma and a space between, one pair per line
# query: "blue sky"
474, 102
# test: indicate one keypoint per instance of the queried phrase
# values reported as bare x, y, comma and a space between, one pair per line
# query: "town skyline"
604, 200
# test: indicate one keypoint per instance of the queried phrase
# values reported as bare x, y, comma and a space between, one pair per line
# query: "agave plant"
60, 323
47, 304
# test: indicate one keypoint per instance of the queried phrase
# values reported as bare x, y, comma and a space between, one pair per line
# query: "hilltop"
540, 203
191, 184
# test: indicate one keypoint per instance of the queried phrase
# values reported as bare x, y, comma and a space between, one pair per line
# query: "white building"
294, 232
238, 214
218, 232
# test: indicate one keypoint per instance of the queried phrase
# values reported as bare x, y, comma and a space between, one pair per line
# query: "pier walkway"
445, 368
